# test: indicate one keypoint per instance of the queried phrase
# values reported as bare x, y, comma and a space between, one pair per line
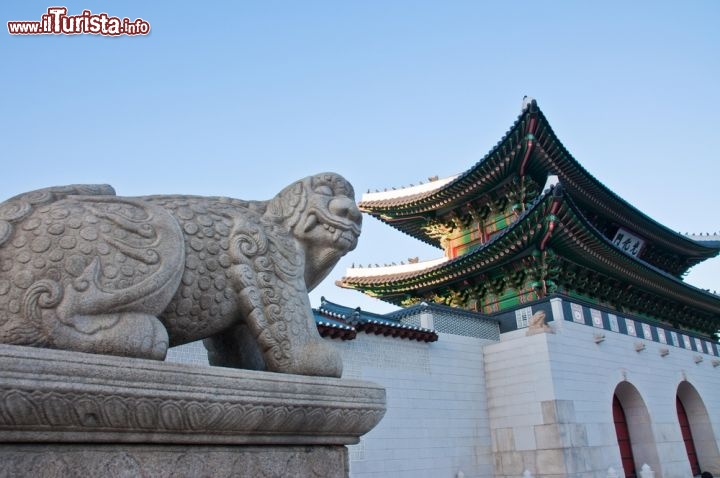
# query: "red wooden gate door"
687, 437
623, 438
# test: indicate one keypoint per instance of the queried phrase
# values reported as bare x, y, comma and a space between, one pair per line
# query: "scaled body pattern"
82, 269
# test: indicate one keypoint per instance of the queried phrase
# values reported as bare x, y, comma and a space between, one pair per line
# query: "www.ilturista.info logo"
57, 22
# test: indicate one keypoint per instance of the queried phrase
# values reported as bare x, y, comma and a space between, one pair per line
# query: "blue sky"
242, 98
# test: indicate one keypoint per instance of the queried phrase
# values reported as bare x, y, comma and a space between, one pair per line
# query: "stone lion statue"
82, 269
537, 324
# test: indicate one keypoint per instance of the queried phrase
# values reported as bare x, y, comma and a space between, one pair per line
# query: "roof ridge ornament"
527, 102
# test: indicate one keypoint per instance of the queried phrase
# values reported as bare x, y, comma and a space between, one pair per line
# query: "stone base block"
74, 414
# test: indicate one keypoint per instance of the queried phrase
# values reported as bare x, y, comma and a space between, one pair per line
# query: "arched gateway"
696, 429
636, 441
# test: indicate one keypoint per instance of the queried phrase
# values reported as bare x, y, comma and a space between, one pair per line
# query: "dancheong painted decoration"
527, 222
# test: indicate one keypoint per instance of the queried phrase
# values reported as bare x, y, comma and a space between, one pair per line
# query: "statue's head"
538, 317
321, 213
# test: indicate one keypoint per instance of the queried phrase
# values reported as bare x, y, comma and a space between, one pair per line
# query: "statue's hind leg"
124, 334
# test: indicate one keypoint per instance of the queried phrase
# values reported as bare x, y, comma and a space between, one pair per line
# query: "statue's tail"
19, 207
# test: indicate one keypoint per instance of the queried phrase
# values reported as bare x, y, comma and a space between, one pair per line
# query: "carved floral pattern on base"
59, 396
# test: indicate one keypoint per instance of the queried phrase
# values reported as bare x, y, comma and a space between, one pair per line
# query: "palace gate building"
605, 358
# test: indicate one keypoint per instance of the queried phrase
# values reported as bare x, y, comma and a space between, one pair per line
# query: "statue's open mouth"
346, 238
343, 233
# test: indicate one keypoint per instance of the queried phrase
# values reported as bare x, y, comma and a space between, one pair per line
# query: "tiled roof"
372, 323
405, 194
397, 270
333, 328
709, 239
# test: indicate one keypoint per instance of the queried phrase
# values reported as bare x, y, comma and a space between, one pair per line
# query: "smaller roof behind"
333, 328
369, 322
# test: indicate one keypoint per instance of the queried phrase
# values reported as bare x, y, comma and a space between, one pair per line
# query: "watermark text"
57, 22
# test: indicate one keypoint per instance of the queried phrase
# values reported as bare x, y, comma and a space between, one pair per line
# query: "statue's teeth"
337, 234
311, 222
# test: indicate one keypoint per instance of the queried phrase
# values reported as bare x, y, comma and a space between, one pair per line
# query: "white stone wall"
436, 423
541, 403
194, 353
550, 402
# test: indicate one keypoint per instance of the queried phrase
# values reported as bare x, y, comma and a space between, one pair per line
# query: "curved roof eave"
448, 193
455, 266
593, 187
659, 281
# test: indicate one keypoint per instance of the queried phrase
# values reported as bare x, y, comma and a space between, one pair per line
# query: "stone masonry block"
504, 440
548, 437
550, 462
578, 434
565, 411
524, 438
577, 459
549, 412
512, 463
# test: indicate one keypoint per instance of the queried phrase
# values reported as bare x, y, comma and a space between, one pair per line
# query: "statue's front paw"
317, 358
122, 334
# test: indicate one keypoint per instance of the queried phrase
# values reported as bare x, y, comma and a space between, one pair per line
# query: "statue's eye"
325, 190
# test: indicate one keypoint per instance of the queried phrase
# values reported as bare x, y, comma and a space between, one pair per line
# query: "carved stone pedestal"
73, 414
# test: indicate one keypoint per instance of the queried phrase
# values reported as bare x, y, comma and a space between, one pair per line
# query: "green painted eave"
573, 238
